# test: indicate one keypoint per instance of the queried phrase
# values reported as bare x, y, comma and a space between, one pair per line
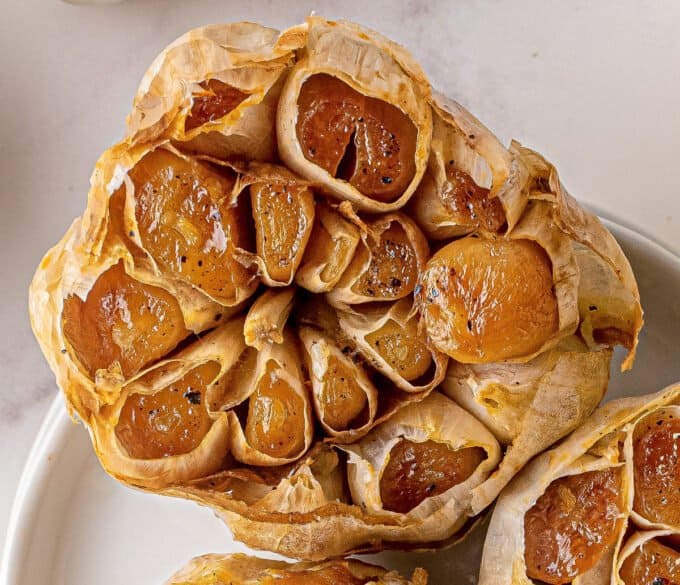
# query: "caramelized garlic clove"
456, 456
345, 399
386, 264
190, 221
214, 91
387, 336
338, 121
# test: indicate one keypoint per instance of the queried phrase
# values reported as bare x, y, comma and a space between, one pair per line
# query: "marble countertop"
592, 85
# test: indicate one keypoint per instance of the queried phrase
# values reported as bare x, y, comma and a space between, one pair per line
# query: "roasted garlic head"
603, 507
328, 303
239, 569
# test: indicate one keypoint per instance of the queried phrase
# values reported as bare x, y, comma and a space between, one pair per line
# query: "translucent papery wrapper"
587, 494
335, 241
529, 406
345, 399
239, 569
371, 97
214, 91
278, 426
267, 317
388, 338
610, 306
159, 452
386, 262
472, 181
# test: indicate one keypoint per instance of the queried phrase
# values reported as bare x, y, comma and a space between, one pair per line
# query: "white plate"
73, 525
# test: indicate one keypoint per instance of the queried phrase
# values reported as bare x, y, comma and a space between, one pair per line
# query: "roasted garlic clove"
529, 406
386, 264
334, 239
426, 461
650, 558
607, 286
122, 324
188, 218
472, 182
655, 444
214, 91
239, 569
387, 337
578, 512
162, 430
278, 424
564, 517
341, 124
345, 399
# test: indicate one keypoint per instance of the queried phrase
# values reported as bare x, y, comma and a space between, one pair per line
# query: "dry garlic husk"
202, 313
571, 514
472, 181
239, 569
214, 91
380, 94
267, 317
387, 336
386, 262
609, 300
335, 239
529, 406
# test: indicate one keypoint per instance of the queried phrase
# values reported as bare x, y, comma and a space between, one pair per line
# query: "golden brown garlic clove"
656, 468
162, 430
122, 324
387, 336
278, 424
487, 299
650, 558
334, 241
472, 182
564, 517
386, 263
189, 220
572, 524
340, 125
345, 399
283, 212
239, 569
418, 464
